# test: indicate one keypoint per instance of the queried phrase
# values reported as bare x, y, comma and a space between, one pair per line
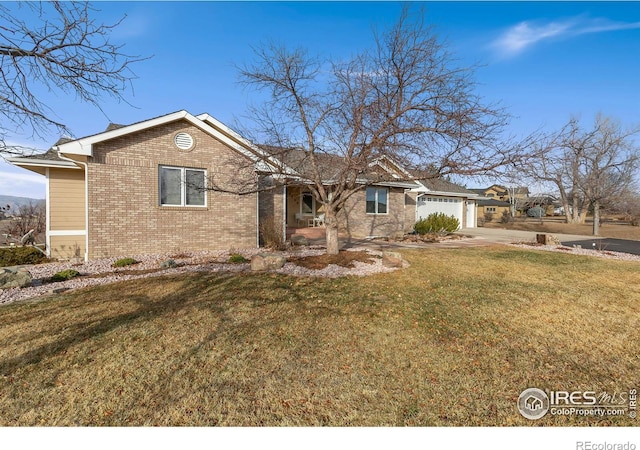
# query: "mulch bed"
342, 259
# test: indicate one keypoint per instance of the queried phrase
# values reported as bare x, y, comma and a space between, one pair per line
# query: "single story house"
139, 188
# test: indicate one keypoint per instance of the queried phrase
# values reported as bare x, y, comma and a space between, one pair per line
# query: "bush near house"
437, 223
17, 256
64, 275
125, 262
236, 258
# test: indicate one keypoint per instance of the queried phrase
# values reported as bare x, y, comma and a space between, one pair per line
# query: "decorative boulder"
392, 259
267, 261
12, 277
298, 239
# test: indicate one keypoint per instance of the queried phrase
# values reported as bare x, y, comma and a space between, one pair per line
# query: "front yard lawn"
452, 340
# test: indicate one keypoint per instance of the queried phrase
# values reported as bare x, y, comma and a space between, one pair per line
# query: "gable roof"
206, 123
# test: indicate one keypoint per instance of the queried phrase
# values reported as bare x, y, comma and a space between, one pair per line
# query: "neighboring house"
138, 189
494, 207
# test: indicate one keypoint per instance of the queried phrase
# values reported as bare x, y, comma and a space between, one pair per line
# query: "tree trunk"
331, 224
575, 212
596, 217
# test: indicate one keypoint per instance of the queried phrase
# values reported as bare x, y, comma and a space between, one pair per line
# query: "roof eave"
24, 162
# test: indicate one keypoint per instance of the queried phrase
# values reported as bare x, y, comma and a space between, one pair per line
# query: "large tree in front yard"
404, 98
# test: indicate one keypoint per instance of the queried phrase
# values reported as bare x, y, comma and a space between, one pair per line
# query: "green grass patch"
452, 340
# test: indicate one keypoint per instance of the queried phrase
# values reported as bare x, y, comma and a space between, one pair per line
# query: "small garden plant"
437, 223
236, 258
125, 262
65, 275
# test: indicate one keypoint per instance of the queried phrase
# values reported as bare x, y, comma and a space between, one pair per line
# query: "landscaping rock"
298, 239
553, 240
267, 261
12, 277
392, 259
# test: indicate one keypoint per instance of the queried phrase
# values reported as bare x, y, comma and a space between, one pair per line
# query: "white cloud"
21, 183
525, 35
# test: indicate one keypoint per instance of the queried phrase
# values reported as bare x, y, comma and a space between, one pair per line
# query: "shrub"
437, 223
168, 264
271, 233
125, 262
17, 256
65, 275
488, 216
506, 217
536, 211
237, 259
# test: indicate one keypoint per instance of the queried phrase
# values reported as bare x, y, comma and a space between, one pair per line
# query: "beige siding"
125, 217
66, 199
67, 247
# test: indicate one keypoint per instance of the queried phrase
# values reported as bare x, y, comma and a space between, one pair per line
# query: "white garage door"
450, 206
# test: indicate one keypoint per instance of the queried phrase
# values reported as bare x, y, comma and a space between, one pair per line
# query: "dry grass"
610, 229
452, 340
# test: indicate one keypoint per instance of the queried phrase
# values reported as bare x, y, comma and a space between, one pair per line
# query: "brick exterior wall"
125, 216
357, 223
271, 204
410, 211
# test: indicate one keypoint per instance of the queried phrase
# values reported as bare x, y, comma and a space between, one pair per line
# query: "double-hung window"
377, 200
181, 186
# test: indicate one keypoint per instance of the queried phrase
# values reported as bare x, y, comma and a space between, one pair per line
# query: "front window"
377, 200
180, 186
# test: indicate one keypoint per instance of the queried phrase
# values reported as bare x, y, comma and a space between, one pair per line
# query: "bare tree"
403, 99
54, 46
589, 166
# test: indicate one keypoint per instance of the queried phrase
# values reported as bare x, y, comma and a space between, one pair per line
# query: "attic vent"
183, 141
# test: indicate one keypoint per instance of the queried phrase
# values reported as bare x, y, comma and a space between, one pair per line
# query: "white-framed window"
491, 209
181, 186
377, 200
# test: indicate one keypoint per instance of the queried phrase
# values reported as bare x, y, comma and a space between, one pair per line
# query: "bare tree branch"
56, 47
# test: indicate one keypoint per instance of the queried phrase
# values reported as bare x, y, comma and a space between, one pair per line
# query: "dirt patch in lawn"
342, 259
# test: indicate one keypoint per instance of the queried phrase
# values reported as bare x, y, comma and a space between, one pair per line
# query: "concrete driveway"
504, 236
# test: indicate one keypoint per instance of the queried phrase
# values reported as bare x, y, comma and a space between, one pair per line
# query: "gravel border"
212, 262
203, 261
606, 254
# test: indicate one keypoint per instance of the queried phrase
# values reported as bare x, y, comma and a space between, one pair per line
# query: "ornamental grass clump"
65, 275
237, 259
437, 223
125, 262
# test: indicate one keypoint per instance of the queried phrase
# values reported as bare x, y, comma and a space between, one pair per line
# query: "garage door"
450, 206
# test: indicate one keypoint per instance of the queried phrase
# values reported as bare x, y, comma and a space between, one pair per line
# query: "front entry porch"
302, 211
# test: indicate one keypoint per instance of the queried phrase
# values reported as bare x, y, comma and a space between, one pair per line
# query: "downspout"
47, 207
86, 201
257, 219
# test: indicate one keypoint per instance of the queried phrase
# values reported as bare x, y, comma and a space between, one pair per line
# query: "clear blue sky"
544, 61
